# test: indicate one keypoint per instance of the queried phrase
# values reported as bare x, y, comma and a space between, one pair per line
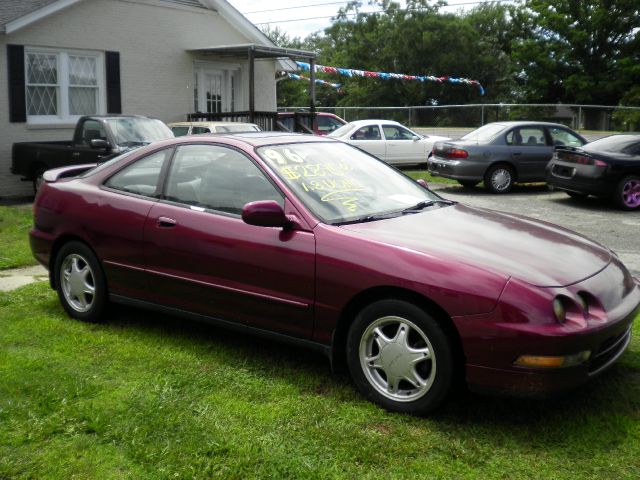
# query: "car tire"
80, 282
399, 357
627, 193
499, 179
468, 183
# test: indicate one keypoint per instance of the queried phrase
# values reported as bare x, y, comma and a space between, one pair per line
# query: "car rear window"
615, 143
485, 132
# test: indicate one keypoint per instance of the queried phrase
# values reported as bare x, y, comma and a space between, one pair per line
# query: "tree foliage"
539, 51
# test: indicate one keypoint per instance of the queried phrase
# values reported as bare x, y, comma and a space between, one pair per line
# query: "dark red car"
309, 240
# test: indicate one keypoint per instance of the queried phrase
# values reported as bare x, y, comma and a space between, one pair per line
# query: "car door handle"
517, 153
166, 222
76, 154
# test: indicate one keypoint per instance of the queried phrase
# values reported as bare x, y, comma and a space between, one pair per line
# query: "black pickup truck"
96, 139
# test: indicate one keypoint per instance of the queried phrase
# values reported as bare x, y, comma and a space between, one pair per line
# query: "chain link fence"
454, 119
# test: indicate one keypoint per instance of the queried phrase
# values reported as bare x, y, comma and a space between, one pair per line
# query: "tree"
579, 51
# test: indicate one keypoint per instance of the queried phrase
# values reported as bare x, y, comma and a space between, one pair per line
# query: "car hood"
536, 252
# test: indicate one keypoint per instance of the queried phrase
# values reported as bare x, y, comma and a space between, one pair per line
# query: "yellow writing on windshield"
329, 181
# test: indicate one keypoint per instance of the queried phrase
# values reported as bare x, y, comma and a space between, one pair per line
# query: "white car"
388, 140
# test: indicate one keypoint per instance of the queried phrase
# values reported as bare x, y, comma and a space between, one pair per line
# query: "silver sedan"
390, 141
501, 154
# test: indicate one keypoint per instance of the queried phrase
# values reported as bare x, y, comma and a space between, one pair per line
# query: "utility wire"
376, 11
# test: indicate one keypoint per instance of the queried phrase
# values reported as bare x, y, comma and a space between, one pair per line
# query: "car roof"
360, 123
513, 123
208, 124
254, 139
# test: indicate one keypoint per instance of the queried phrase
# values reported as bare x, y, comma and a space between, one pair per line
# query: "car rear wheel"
627, 195
80, 282
399, 357
468, 183
499, 179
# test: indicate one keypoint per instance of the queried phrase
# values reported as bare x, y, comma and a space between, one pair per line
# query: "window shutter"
112, 67
17, 98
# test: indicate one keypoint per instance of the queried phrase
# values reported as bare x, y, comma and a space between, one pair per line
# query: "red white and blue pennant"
349, 72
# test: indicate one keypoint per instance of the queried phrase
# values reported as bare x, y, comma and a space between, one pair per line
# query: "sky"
299, 18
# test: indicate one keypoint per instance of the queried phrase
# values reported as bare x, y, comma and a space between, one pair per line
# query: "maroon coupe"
309, 240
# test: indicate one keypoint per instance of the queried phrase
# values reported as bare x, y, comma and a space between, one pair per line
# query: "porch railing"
267, 121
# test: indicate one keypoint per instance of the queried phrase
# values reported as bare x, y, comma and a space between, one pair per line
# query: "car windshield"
240, 127
341, 184
338, 132
138, 131
484, 133
614, 143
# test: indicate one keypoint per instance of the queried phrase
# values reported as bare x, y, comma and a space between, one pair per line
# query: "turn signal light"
539, 361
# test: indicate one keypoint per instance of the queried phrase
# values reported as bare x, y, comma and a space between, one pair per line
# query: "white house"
60, 59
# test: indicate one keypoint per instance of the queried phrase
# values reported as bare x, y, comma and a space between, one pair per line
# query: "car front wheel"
80, 282
399, 357
627, 195
499, 179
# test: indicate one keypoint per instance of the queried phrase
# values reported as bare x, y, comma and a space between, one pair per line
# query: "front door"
202, 257
401, 146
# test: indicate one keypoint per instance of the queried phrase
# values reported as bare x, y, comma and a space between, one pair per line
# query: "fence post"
579, 118
482, 115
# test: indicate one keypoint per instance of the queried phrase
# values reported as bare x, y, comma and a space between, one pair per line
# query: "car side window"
142, 176
370, 132
526, 136
393, 132
91, 130
180, 131
563, 137
217, 178
197, 130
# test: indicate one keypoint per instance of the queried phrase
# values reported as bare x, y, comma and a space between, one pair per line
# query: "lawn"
424, 174
146, 396
15, 223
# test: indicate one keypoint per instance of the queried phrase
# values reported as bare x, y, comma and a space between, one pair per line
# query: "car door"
369, 139
83, 151
202, 257
123, 204
530, 152
402, 146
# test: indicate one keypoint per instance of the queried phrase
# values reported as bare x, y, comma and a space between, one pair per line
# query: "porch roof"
259, 51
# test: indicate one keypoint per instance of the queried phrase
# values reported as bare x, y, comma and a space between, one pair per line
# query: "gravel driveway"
616, 229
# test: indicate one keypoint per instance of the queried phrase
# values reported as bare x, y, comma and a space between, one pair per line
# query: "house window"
63, 85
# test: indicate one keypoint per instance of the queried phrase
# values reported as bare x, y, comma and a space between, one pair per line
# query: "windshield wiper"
370, 218
424, 204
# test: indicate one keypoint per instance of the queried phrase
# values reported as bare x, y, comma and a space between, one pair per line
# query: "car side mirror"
415, 138
99, 143
265, 213
422, 183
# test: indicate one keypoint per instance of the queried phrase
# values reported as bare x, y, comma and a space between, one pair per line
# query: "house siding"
156, 71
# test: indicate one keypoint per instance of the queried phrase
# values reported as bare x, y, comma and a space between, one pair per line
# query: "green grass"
15, 223
425, 175
145, 396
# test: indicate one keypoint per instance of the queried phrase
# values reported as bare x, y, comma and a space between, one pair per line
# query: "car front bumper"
524, 324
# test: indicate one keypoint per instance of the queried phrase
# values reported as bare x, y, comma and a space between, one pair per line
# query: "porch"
267, 120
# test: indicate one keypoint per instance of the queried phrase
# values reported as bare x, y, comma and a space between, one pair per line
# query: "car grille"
609, 351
